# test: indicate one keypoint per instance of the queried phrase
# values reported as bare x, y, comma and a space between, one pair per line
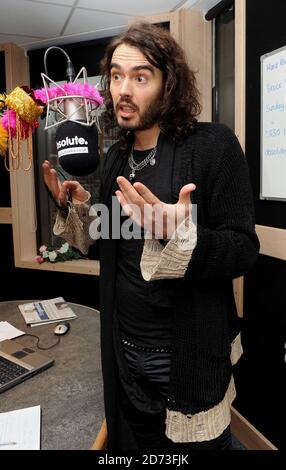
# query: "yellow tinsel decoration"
23, 105
2, 100
3, 140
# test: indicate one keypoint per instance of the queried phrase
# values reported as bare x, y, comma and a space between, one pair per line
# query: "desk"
70, 392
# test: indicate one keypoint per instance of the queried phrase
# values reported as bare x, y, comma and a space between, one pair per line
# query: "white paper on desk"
21, 429
8, 331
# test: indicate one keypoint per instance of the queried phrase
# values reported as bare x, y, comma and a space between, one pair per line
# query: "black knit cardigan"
205, 317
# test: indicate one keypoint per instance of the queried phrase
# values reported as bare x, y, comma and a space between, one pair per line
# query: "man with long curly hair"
169, 326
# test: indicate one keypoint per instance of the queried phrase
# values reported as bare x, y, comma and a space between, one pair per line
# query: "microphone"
77, 147
77, 144
76, 134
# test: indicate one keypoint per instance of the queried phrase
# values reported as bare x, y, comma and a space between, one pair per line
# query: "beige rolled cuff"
74, 226
170, 261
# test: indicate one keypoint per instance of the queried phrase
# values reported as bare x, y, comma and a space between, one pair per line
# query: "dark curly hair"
180, 104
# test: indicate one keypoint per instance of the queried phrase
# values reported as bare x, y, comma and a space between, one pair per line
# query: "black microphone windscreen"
77, 147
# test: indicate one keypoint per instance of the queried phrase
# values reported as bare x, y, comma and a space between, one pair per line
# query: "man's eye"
141, 79
115, 76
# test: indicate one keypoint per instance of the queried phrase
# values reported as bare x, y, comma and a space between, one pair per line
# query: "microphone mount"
78, 106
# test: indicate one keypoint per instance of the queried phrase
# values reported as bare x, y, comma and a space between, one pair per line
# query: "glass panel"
2, 72
224, 68
45, 149
90, 54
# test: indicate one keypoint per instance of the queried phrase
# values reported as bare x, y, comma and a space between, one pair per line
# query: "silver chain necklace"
138, 166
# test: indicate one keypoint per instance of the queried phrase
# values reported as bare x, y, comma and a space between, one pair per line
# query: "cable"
41, 347
70, 73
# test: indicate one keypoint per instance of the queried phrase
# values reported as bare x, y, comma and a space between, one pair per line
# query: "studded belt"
167, 349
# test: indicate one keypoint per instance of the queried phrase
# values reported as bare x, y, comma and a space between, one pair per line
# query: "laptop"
18, 363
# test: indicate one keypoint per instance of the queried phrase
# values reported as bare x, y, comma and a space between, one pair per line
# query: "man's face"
136, 89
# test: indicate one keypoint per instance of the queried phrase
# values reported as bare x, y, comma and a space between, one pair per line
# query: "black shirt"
144, 308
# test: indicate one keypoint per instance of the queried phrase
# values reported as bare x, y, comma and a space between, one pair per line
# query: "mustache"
125, 102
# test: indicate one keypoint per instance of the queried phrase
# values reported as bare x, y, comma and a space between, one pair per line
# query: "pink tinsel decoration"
79, 89
11, 121
11, 125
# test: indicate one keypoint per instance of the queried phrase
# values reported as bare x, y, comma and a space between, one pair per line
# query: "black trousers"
151, 371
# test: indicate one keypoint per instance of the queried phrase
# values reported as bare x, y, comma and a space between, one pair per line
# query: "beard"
147, 118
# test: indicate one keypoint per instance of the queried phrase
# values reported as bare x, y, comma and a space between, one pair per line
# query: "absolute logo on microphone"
77, 148
72, 146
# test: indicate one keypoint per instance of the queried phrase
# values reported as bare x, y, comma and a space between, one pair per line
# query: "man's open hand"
60, 190
153, 215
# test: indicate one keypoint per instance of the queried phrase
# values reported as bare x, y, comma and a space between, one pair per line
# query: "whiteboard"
273, 125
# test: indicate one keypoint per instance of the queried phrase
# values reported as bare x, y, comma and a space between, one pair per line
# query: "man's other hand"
60, 191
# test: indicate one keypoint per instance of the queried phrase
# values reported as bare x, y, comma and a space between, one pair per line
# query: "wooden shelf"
81, 266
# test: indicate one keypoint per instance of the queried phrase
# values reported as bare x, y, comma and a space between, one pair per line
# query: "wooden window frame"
22, 214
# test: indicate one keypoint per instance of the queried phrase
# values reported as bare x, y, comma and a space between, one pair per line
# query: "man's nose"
125, 89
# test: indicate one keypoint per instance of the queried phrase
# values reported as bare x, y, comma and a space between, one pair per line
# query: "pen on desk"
8, 443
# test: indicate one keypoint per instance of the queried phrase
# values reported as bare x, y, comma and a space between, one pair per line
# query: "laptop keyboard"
9, 371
